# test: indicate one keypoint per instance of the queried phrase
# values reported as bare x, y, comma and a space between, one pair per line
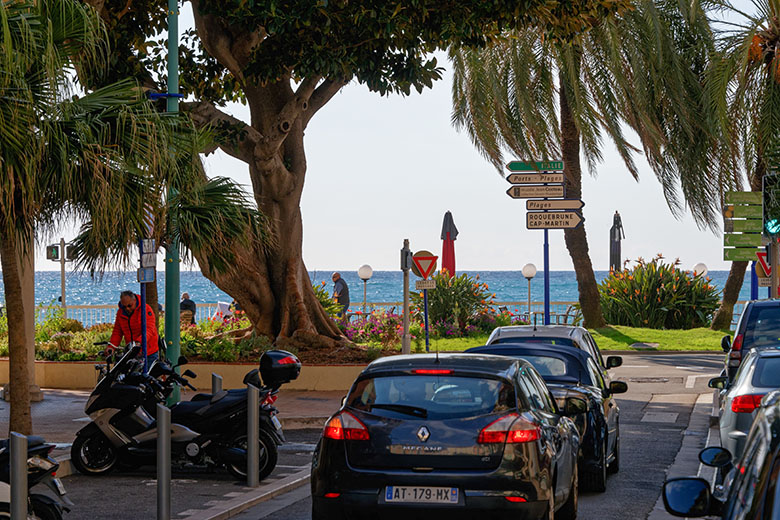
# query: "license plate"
421, 495
276, 422
59, 486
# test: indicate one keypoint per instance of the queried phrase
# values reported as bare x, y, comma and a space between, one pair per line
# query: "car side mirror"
574, 406
725, 343
614, 361
715, 457
182, 361
718, 383
690, 497
618, 387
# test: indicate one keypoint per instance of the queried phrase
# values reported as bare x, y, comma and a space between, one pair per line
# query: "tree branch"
203, 113
321, 96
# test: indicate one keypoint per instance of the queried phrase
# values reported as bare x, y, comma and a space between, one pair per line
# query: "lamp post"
529, 271
365, 273
700, 269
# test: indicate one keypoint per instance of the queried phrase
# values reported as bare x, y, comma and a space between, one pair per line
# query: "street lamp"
365, 273
529, 271
701, 269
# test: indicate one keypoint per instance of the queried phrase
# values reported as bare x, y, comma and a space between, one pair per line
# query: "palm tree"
544, 95
88, 157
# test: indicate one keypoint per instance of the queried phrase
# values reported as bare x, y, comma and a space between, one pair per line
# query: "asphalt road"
654, 413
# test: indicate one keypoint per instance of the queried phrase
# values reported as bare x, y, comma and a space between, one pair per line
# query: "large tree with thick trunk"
286, 60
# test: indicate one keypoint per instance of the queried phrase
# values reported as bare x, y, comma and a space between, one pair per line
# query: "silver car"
758, 375
552, 335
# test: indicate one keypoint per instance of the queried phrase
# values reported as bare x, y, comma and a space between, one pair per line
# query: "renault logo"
423, 434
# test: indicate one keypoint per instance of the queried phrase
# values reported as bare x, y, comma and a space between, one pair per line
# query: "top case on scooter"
223, 403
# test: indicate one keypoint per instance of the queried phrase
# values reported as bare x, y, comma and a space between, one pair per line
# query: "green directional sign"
748, 212
742, 240
746, 226
539, 166
740, 254
743, 197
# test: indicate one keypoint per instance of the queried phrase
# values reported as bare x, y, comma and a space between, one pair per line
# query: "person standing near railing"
127, 325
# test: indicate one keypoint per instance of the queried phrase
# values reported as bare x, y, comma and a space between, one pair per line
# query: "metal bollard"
216, 383
253, 436
163, 462
18, 476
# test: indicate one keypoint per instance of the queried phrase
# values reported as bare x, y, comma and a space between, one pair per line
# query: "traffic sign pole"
546, 278
775, 267
425, 313
753, 282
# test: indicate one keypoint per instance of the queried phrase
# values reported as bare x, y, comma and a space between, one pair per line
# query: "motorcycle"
41, 469
207, 431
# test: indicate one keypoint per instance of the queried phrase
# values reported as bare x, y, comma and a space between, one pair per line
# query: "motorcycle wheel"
44, 510
93, 454
5, 514
268, 456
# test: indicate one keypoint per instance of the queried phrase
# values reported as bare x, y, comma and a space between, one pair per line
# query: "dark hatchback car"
571, 372
759, 325
457, 435
752, 486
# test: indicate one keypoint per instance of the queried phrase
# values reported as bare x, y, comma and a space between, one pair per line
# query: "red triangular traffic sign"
764, 264
426, 264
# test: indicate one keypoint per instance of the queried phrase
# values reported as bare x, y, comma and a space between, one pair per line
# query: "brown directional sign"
530, 192
537, 205
552, 219
534, 178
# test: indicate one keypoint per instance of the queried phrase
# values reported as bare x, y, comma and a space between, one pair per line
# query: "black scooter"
41, 469
208, 431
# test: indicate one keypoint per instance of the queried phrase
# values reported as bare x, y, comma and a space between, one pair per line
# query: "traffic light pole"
775, 276
62, 276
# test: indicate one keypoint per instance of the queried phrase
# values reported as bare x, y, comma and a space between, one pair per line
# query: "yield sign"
425, 262
764, 264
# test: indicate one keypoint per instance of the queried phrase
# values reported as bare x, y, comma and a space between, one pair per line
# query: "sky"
382, 169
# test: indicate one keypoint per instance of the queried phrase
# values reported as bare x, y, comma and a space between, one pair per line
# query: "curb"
303, 422
232, 507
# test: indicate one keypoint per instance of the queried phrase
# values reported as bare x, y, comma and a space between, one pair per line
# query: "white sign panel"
149, 260
419, 285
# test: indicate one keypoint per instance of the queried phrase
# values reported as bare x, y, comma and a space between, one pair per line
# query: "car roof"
765, 351
485, 363
764, 303
512, 348
540, 331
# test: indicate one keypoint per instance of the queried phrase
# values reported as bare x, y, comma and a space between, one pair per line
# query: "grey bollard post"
18, 476
163, 462
253, 436
216, 383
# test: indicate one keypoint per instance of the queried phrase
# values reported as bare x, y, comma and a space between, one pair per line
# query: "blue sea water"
384, 286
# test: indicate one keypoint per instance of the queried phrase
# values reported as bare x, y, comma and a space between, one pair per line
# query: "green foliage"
456, 300
331, 307
658, 296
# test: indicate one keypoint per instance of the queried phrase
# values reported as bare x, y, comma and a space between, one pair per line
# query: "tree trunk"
576, 239
723, 317
19, 380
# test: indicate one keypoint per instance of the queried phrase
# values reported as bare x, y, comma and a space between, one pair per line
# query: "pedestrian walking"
340, 294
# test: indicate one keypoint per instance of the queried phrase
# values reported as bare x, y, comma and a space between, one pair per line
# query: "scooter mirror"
182, 361
189, 373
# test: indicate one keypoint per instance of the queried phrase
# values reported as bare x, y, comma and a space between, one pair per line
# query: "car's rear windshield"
432, 396
763, 327
767, 372
549, 341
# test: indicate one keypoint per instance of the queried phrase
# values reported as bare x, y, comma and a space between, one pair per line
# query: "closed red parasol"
449, 233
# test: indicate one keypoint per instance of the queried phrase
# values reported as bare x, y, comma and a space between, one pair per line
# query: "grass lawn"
616, 337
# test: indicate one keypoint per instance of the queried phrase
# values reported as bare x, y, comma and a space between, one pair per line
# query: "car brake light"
289, 360
746, 403
332, 495
515, 499
510, 429
737, 345
432, 371
345, 426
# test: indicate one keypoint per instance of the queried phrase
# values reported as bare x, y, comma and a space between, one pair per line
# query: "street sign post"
552, 220
534, 178
423, 264
742, 228
740, 254
538, 166
538, 205
531, 192
742, 239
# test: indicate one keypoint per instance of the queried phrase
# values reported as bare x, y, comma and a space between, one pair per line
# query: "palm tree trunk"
576, 239
19, 380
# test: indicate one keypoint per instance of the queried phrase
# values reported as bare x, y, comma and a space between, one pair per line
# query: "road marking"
660, 417
691, 368
634, 366
691, 381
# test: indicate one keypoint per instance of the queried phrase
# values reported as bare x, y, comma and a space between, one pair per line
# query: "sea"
382, 287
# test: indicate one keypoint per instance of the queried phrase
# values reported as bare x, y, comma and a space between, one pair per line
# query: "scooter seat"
32, 441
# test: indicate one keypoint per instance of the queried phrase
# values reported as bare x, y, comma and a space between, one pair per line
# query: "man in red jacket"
127, 324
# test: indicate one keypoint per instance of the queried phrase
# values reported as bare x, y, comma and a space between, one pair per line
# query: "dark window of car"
594, 346
748, 471
439, 396
526, 339
595, 374
772, 505
767, 372
763, 326
548, 365
538, 395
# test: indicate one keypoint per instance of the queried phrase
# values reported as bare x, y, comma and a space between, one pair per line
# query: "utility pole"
62, 276
406, 265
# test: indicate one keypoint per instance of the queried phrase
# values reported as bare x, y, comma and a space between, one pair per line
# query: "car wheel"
614, 467
596, 480
268, 456
93, 454
569, 509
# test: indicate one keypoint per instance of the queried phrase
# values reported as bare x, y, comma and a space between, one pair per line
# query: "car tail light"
746, 403
510, 429
332, 495
515, 499
345, 426
737, 345
432, 371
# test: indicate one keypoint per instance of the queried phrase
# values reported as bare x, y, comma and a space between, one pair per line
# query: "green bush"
456, 300
331, 307
658, 296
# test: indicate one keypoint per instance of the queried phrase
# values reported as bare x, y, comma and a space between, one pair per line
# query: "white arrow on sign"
538, 205
530, 192
534, 178
552, 220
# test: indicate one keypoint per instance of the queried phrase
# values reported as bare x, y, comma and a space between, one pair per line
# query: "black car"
752, 487
571, 372
759, 325
454, 435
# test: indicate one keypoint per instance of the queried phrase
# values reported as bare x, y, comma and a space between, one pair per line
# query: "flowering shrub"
331, 307
456, 300
378, 327
658, 296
